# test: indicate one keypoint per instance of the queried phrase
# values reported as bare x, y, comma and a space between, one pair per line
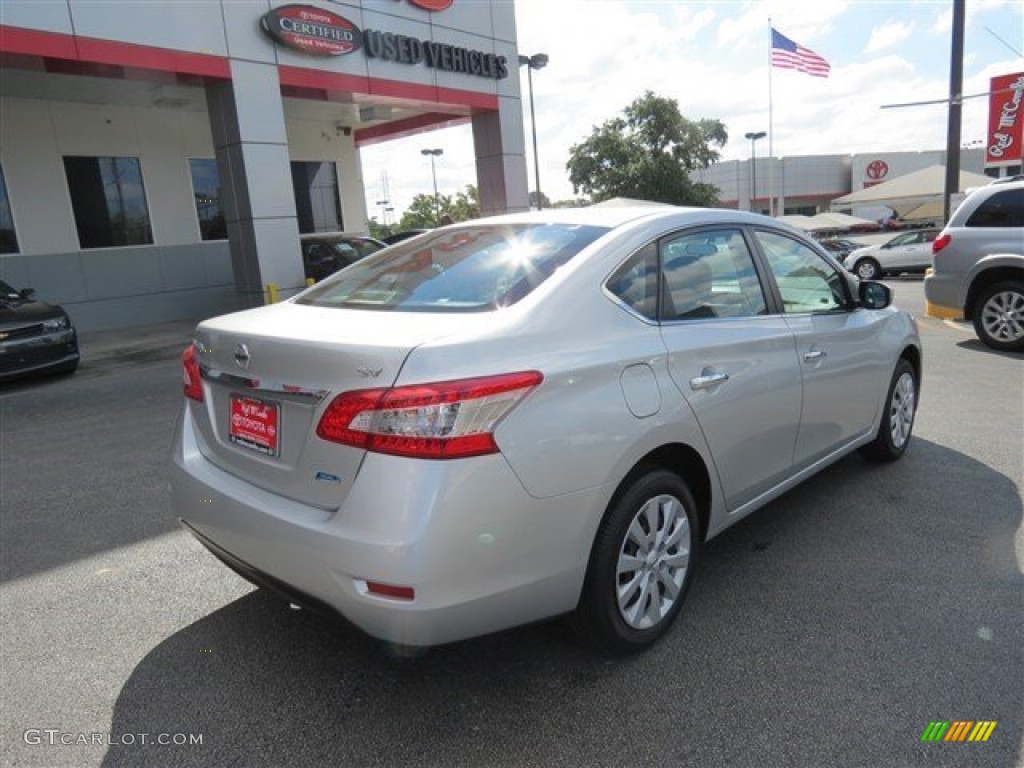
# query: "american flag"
788, 55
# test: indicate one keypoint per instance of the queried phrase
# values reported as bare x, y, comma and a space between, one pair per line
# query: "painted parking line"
959, 325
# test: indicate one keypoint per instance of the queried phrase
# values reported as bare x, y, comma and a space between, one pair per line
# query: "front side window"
8, 238
317, 203
471, 269
710, 273
1003, 209
109, 201
206, 191
806, 281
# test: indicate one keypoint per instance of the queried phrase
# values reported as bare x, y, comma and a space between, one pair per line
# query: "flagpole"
771, 129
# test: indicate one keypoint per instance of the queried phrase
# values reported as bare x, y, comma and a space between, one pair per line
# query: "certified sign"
312, 30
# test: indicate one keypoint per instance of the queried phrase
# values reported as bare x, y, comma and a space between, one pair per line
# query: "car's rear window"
1003, 209
469, 269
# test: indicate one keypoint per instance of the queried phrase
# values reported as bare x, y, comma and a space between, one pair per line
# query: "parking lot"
829, 629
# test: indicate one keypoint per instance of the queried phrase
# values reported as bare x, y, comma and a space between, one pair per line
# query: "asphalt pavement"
828, 629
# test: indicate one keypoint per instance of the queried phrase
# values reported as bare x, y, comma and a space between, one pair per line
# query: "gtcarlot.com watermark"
54, 737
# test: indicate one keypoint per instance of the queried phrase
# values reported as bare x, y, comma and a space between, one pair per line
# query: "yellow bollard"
271, 293
310, 282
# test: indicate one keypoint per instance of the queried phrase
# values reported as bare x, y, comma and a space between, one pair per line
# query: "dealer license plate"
255, 424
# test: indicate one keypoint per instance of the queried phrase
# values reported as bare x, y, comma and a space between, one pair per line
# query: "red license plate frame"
255, 424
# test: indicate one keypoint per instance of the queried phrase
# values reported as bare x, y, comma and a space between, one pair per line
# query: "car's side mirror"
27, 293
872, 295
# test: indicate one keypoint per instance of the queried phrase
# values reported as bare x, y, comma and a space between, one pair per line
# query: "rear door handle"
708, 379
814, 354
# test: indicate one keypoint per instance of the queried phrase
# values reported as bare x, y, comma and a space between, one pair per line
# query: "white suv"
978, 271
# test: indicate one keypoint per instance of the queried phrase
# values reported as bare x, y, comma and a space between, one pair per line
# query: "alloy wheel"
1003, 316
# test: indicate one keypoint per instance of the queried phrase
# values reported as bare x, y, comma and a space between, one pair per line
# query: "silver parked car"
533, 415
907, 252
979, 265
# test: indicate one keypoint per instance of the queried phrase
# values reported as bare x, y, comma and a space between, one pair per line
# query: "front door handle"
708, 379
814, 354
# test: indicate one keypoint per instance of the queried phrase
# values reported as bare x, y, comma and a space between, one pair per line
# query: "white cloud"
888, 35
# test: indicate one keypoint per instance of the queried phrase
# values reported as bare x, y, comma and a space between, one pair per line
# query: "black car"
323, 255
398, 237
840, 248
35, 337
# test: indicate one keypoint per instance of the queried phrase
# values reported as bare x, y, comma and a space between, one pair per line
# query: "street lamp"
433, 173
537, 61
753, 136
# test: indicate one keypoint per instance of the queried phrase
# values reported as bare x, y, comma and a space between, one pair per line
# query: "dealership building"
159, 161
807, 184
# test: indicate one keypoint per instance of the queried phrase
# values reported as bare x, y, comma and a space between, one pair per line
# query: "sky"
712, 57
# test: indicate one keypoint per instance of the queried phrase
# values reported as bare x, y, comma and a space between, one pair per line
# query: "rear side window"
635, 283
710, 273
470, 269
1003, 209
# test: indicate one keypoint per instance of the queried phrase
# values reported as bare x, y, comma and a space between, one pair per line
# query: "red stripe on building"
411, 126
95, 51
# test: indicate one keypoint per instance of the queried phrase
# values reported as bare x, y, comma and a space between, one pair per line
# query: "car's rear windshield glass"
469, 269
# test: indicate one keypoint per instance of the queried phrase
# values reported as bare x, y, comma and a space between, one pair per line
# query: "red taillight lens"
441, 420
941, 242
190, 374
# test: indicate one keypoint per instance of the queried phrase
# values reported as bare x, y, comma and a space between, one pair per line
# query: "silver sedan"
533, 415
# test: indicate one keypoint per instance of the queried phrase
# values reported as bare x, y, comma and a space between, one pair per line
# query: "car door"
839, 349
897, 252
733, 361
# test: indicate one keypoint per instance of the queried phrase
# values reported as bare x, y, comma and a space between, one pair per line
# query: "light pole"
433, 173
753, 136
536, 61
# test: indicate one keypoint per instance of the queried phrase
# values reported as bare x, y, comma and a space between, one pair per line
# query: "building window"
8, 240
109, 201
317, 203
206, 191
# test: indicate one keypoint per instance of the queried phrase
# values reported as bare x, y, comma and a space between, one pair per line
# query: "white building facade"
159, 160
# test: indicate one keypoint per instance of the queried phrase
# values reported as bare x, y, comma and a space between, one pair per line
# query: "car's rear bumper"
481, 554
944, 295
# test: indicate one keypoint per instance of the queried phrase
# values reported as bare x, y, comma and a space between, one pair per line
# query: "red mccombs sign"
1005, 121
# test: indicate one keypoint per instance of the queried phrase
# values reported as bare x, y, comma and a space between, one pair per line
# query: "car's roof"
613, 216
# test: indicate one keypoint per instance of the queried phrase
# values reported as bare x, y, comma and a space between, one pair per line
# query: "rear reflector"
190, 374
440, 420
390, 590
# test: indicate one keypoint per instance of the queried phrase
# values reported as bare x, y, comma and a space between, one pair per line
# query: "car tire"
898, 418
641, 563
999, 316
867, 269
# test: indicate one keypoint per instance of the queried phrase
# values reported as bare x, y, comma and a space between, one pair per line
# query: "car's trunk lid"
268, 375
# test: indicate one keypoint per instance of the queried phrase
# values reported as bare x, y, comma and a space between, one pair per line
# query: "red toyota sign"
311, 30
1005, 121
877, 169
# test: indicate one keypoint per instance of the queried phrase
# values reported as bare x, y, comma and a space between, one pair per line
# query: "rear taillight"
441, 420
941, 242
190, 374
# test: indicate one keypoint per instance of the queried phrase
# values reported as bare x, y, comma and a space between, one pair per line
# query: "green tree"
422, 214
648, 153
